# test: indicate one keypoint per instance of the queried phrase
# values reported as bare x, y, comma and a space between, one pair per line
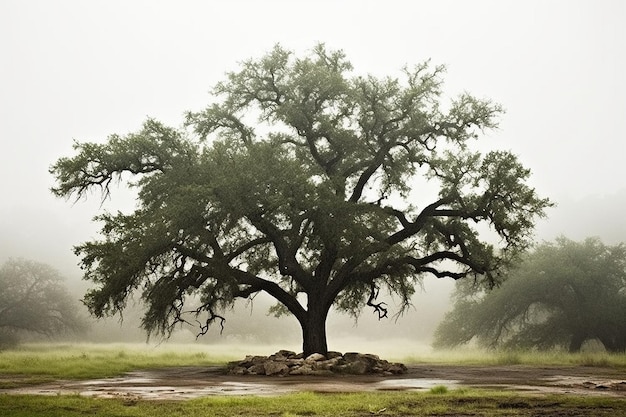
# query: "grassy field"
43, 362
37, 363
533, 358
452, 403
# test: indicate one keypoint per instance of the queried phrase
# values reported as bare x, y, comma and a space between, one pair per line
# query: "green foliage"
299, 180
33, 300
563, 294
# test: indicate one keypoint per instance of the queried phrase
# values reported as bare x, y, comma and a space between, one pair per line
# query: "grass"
36, 363
461, 402
532, 358
42, 362
439, 389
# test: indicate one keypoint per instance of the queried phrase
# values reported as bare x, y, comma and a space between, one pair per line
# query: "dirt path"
192, 382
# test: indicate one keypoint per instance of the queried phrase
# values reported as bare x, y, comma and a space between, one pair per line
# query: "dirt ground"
193, 382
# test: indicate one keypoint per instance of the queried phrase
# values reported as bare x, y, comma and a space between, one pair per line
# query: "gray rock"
257, 369
396, 368
294, 362
329, 364
332, 355
285, 362
305, 369
275, 368
350, 356
238, 370
315, 357
251, 360
359, 367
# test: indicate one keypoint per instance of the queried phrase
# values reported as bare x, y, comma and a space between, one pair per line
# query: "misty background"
76, 70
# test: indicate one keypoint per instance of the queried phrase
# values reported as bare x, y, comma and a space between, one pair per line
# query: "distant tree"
33, 299
563, 294
300, 181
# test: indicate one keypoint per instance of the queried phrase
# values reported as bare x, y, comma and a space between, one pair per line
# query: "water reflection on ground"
193, 382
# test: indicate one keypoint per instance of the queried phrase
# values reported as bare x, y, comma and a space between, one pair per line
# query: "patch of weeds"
199, 355
439, 389
462, 391
593, 360
509, 358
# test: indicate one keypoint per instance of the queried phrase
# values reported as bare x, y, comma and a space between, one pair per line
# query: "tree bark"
314, 331
614, 342
576, 342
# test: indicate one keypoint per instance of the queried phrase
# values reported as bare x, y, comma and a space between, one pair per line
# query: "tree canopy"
34, 300
563, 294
304, 181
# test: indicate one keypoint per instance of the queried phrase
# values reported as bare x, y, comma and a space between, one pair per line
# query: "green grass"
532, 358
41, 362
462, 402
439, 389
36, 363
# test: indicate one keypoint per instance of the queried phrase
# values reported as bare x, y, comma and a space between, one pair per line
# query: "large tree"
306, 182
563, 294
34, 300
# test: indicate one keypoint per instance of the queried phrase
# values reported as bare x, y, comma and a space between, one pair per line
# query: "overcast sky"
85, 69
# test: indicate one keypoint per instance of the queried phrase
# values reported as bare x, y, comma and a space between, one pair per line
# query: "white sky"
85, 69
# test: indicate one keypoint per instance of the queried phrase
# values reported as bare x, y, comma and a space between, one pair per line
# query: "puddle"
193, 382
416, 384
100, 389
153, 388
149, 388
125, 381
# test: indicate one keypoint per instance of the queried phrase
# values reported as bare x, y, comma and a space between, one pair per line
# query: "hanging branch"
379, 308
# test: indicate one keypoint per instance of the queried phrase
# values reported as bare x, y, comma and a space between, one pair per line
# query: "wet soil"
193, 382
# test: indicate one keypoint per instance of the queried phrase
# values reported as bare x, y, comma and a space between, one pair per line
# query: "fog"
75, 70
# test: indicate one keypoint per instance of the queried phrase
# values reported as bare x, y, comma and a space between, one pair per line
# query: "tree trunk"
314, 331
614, 343
576, 342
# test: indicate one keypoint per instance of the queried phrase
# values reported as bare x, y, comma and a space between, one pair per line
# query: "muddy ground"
193, 382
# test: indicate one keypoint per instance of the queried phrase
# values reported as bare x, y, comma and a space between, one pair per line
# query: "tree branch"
379, 308
288, 264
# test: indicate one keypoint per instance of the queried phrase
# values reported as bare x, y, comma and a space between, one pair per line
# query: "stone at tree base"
332, 354
275, 368
282, 354
257, 369
251, 360
238, 370
315, 357
396, 368
330, 364
285, 362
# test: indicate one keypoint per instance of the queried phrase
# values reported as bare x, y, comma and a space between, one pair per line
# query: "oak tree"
563, 294
307, 182
34, 300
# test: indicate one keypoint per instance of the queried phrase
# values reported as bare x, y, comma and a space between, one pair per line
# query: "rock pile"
285, 362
